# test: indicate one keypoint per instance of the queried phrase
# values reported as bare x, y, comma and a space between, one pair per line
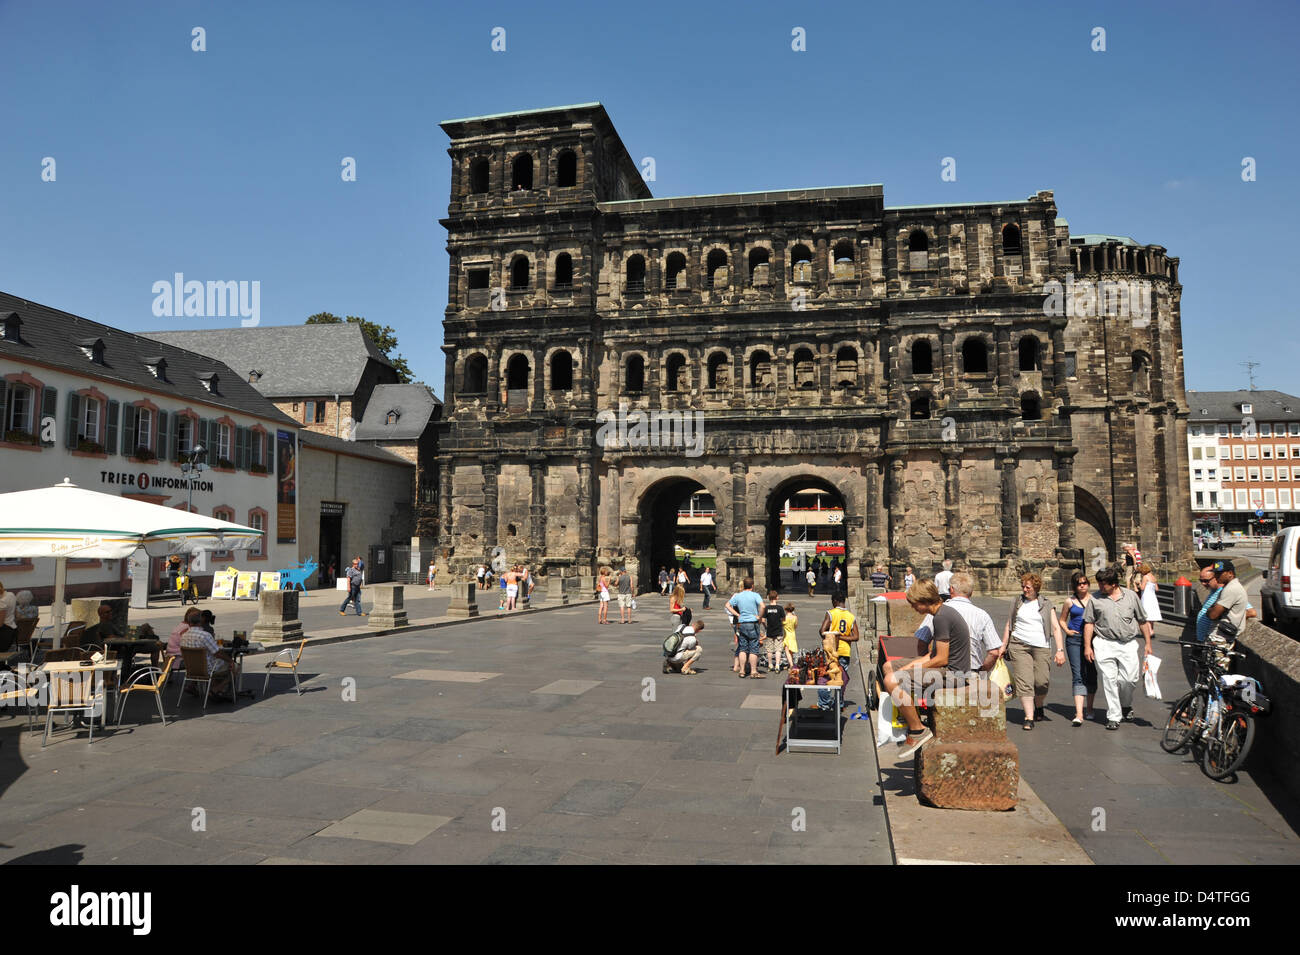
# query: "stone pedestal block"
977, 714
464, 599
587, 586
86, 609
277, 617
982, 776
556, 593
389, 608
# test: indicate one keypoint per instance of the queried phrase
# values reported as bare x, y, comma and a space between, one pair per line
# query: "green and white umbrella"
66, 521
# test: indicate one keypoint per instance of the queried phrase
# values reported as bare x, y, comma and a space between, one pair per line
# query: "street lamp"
192, 466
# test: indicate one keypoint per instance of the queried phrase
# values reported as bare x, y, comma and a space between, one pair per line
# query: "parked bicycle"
1216, 718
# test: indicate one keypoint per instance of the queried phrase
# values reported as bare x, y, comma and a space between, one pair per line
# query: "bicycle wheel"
1227, 749
1183, 721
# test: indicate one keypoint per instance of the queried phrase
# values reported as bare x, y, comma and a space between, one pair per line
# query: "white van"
1279, 592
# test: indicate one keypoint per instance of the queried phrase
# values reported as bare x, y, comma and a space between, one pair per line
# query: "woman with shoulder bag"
1031, 624
1082, 672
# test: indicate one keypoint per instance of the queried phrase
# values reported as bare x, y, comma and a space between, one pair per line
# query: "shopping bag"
633, 604
1149, 671
1000, 677
888, 729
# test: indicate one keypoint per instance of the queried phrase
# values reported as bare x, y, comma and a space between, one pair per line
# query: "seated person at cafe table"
219, 661
104, 630
192, 618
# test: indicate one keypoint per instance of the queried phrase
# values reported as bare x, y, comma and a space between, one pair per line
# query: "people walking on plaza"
746, 609
811, 577
1031, 630
943, 580
909, 578
663, 581
354, 589
1083, 673
706, 585
1111, 625
789, 637
946, 665
602, 595
683, 580
677, 603
624, 596
773, 619
1147, 585
433, 573
840, 626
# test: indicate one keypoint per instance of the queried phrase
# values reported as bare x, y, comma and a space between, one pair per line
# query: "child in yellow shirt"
789, 644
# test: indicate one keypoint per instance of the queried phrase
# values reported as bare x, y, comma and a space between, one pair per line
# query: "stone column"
389, 609
952, 543
490, 530
277, 617
464, 599
947, 360
1004, 361
1068, 540
556, 594
1059, 385
444, 505
614, 506
494, 378
877, 512
897, 467
739, 517
586, 554
539, 380
537, 509
1010, 506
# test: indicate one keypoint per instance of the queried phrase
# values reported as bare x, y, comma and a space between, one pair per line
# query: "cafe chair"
72, 634
149, 680
16, 690
196, 671
23, 637
290, 663
75, 693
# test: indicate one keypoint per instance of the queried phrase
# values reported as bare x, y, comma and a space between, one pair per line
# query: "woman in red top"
678, 601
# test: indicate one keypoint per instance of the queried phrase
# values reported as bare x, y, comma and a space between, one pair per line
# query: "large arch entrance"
806, 527
1093, 529
677, 529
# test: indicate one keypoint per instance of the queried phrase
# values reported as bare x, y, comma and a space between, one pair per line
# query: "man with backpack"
682, 648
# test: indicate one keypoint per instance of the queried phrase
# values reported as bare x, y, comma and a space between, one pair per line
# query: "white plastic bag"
887, 731
1149, 671
633, 604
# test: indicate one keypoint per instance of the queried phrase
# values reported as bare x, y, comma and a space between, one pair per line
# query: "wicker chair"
149, 680
75, 693
290, 663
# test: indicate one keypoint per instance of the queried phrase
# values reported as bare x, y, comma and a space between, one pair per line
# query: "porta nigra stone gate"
909, 359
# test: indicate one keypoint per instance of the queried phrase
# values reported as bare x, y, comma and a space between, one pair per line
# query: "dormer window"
13, 328
209, 379
92, 348
1246, 408
391, 417
254, 376
157, 367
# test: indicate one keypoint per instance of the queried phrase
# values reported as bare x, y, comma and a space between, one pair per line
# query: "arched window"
843, 259
922, 357
517, 373
1031, 408
758, 267
522, 177
975, 356
805, 369
566, 170
1011, 240
519, 272
676, 270
634, 379
715, 267
846, 367
478, 177
564, 271
918, 250
561, 371
636, 273
801, 265
920, 410
719, 371
1029, 360
674, 379
760, 370
1141, 372
476, 375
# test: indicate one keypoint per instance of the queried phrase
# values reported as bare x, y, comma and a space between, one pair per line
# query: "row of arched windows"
975, 356
521, 173
518, 373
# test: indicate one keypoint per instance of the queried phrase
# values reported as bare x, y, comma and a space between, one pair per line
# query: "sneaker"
1112, 725
1128, 715
915, 743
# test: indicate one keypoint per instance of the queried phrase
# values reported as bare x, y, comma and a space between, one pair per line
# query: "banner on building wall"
286, 497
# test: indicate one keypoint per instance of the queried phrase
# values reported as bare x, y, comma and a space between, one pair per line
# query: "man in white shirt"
706, 585
943, 581
985, 641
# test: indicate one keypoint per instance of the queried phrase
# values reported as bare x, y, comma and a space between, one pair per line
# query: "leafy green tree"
383, 336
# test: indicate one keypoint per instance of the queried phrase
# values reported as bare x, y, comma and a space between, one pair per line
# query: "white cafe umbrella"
68, 521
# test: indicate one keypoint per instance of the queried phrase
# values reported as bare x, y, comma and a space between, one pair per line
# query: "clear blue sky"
226, 164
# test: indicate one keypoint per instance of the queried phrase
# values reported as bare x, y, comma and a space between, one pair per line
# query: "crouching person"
947, 665
688, 651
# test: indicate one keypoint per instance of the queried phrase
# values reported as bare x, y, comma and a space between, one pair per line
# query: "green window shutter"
49, 409
74, 412
110, 432
128, 430
4, 403
160, 448
205, 439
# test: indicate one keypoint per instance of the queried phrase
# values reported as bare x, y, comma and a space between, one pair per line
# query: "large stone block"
556, 593
277, 617
86, 609
389, 609
464, 599
977, 714
982, 776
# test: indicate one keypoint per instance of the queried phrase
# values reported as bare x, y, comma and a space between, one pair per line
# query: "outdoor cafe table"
75, 666
127, 649
237, 662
